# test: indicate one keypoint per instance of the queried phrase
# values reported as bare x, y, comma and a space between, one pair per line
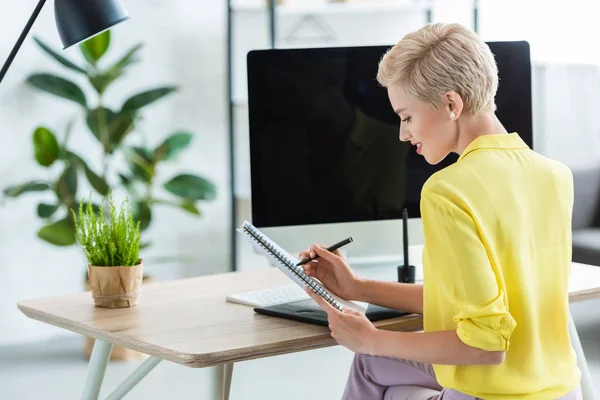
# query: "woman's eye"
406, 120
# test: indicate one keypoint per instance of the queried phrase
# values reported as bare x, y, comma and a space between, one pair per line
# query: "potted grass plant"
110, 240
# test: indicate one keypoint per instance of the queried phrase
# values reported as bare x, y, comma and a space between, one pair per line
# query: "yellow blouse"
496, 261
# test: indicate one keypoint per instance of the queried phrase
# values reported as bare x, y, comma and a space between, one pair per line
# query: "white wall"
558, 31
566, 72
566, 123
185, 45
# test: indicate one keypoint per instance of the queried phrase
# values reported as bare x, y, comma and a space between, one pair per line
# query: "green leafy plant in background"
112, 128
108, 241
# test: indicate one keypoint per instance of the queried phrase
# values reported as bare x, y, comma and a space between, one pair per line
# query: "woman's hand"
333, 271
349, 328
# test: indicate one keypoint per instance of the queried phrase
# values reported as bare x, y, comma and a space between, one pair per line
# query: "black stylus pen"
330, 248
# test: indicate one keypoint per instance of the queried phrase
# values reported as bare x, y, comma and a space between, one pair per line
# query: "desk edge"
109, 337
582, 295
408, 323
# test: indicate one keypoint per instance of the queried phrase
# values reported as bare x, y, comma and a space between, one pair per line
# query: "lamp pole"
21, 38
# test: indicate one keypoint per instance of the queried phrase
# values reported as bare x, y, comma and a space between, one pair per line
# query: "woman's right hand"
333, 271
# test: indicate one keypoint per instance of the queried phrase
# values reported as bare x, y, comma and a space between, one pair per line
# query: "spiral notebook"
281, 259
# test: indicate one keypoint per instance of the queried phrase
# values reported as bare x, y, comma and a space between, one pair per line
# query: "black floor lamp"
76, 21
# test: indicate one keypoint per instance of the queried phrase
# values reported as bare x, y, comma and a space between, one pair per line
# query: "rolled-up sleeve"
464, 274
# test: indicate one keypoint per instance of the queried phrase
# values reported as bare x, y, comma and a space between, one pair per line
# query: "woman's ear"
454, 104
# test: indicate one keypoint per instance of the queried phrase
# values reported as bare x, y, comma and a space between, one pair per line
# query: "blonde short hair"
443, 57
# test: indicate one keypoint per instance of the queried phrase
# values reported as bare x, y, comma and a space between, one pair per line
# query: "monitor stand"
385, 267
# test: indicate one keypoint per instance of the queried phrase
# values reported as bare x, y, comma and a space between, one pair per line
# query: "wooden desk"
189, 322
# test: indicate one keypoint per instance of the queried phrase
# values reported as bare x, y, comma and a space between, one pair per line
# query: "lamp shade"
78, 20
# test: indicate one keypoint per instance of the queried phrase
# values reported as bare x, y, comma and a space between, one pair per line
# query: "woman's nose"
404, 136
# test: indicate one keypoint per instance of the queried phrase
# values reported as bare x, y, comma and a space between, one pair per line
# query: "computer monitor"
326, 161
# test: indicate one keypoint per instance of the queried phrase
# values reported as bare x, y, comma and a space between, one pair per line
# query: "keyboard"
270, 296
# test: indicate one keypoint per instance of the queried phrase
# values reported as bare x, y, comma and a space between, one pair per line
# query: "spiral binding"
268, 244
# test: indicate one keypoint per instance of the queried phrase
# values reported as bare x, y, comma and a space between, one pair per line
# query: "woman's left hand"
349, 328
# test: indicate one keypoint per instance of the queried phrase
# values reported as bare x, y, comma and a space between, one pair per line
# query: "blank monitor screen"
324, 139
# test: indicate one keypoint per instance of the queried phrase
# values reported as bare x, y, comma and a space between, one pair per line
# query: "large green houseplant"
112, 127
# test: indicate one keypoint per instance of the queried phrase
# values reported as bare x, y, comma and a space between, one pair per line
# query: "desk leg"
96, 369
587, 385
133, 379
225, 372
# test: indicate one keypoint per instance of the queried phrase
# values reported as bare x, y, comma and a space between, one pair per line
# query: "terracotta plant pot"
116, 287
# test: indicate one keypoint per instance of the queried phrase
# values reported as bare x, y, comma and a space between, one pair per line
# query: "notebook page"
284, 261
355, 305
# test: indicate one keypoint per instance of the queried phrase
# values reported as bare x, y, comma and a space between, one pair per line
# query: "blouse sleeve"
454, 249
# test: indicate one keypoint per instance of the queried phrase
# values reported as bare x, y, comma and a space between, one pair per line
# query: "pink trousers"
378, 378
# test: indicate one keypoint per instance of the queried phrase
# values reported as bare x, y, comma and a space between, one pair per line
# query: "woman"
497, 250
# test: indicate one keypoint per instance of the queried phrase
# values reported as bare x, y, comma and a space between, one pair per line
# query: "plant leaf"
140, 100
119, 128
191, 187
94, 48
68, 131
101, 81
58, 86
98, 183
190, 207
64, 61
142, 213
175, 143
59, 233
125, 180
129, 185
129, 58
45, 146
46, 210
109, 239
141, 163
117, 125
66, 186
33, 186
93, 119
95, 206
186, 205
